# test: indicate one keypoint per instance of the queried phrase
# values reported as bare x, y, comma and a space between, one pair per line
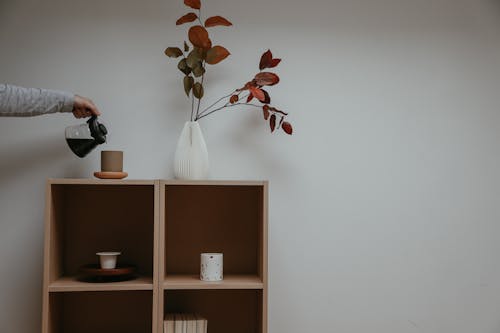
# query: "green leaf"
198, 90
183, 67
186, 47
188, 84
173, 52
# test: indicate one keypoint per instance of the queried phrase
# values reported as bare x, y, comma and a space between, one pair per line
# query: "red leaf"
216, 54
233, 99
189, 17
266, 79
195, 4
258, 93
249, 98
199, 37
265, 60
274, 62
272, 122
265, 110
272, 108
246, 86
216, 20
267, 98
287, 127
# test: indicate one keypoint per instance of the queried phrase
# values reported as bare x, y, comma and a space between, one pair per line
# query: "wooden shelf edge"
95, 181
70, 283
214, 182
176, 282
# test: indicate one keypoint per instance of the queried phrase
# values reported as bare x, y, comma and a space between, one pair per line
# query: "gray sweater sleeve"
26, 102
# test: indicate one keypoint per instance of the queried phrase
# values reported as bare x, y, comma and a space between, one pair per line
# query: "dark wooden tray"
94, 273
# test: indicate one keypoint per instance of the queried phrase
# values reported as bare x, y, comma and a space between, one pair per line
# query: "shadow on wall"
42, 154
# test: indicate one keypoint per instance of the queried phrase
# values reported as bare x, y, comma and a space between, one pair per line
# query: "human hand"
84, 107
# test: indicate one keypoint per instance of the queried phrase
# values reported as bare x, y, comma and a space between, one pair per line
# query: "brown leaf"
266, 79
198, 70
234, 99
287, 127
188, 84
265, 110
186, 47
216, 54
189, 17
249, 98
274, 62
183, 67
173, 52
258, 93
194, 57
217, 20
265, 60
198, 90
267, 98
198, 36
195, 4
272, 122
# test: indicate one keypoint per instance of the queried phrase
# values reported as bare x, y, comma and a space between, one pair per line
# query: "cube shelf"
160, 226
227, 311
106, 312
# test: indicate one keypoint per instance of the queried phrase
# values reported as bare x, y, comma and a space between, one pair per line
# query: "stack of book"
184, 323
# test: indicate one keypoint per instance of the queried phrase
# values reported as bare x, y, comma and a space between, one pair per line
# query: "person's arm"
26, 102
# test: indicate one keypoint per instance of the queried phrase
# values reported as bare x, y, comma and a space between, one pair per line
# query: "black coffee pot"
83, 138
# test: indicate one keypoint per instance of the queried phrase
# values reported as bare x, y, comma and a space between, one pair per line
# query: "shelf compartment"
214, 218
180, 281
71, 283
227, 311
88, 218
99, 312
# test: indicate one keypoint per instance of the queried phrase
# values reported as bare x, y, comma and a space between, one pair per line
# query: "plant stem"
199, 17
199, 99
216, 102
192, 105
228, 105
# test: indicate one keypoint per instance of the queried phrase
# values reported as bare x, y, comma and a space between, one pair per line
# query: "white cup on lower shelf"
108, 259
211, 267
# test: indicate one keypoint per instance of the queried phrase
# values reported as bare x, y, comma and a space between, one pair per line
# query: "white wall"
384, 204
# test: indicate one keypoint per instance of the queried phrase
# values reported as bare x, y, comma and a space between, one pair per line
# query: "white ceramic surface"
211, 267
108, 259
191, 155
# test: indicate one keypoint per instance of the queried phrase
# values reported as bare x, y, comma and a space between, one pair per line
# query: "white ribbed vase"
191, 156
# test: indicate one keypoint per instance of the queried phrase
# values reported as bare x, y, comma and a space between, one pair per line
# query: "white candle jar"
211, 267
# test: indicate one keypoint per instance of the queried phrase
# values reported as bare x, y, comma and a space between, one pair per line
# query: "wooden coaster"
110, 174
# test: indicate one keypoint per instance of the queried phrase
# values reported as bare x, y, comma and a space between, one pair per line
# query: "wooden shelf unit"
161, 226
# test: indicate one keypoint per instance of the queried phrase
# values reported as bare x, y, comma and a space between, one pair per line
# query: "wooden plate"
110, 175
94, 273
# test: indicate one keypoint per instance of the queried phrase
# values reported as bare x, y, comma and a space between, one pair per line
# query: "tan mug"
111, 160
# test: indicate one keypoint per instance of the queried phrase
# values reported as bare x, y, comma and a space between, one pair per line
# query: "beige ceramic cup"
111, 160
